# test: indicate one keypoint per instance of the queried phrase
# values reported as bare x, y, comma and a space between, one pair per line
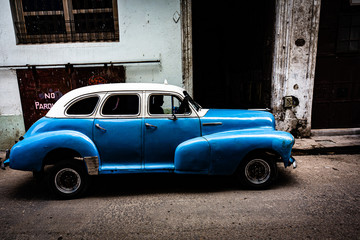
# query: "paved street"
318, 200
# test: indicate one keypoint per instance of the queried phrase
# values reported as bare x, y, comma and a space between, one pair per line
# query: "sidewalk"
328, 142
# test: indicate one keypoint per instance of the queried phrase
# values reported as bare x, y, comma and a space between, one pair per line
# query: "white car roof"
58, 109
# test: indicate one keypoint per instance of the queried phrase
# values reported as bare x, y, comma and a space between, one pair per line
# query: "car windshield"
191, 101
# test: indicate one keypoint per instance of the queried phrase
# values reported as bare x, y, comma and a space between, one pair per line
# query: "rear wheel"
68, 179
257, 171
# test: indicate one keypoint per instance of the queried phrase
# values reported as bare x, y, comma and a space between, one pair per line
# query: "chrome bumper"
293, 162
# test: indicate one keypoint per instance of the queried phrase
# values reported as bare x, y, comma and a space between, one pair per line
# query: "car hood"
220, 120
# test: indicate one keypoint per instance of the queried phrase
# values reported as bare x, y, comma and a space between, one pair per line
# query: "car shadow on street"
143, 184
286, 178
146, 184
28, 188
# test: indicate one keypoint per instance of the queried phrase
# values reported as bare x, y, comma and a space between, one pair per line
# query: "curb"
327, 151
335, 132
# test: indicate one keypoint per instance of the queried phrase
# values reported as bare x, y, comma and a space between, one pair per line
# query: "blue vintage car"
148, 128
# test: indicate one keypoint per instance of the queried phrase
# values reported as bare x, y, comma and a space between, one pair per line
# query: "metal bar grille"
52, 30
59, 21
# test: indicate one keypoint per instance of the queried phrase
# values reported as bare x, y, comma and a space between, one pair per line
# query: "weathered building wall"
152, 30
11, 119
297, 24
149, 30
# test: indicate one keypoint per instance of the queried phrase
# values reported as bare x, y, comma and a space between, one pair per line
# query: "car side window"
121, 105
85, 106
167, 104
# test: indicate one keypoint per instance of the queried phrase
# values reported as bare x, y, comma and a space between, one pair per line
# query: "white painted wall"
11, 120
147, 31
9, 93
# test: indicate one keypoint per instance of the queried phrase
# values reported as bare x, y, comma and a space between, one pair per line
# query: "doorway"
337, 75
232, 53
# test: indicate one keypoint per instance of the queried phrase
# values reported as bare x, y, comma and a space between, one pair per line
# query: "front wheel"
257, 172
68, 179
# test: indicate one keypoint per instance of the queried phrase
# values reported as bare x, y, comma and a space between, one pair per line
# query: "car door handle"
148, 125
212, 123
99, 127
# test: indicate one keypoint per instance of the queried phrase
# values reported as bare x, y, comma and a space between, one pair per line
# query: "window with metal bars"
58, 21
349, 34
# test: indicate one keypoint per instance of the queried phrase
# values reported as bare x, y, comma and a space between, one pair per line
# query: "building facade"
261, 54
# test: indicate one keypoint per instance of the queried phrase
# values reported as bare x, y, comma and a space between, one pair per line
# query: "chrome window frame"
77, 99
148, 94
99, 114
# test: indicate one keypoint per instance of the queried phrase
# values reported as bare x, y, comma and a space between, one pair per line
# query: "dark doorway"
232, 52
337, 75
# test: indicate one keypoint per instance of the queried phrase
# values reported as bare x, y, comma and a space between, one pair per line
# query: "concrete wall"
297, 25
149, 30
11, 119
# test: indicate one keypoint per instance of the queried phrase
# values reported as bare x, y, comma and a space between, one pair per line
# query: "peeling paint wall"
149, 30
296, 31
11, 119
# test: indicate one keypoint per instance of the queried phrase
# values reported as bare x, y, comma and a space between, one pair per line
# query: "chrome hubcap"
257, 171
67, 180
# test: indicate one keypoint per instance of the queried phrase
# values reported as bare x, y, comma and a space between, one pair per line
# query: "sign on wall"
41, 88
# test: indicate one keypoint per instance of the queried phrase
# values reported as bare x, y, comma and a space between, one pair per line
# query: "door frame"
187, 52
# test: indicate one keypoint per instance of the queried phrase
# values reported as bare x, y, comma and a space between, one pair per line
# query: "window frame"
101, 115
75, 100
70, 34
173, 94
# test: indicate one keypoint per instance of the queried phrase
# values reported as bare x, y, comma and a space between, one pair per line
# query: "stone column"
296, 34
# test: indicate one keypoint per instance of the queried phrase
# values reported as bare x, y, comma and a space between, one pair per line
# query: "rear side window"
84, 106
121, 105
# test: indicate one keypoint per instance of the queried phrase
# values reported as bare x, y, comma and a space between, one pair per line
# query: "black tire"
68, 179
257, 171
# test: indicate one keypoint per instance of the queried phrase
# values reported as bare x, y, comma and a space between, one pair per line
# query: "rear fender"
28, 154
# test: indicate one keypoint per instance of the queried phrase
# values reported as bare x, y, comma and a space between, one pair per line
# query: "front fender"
28, 154
229, 148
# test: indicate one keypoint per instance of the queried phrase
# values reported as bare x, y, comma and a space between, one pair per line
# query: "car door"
118, 133
169, 121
